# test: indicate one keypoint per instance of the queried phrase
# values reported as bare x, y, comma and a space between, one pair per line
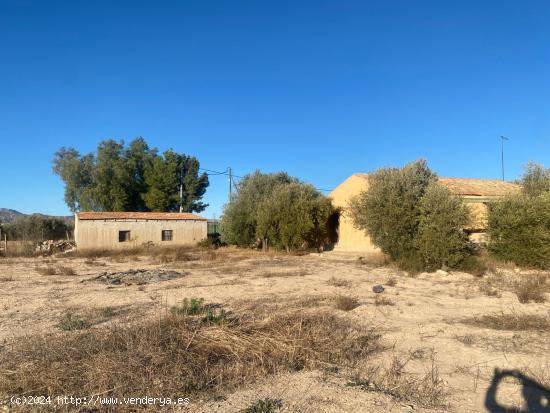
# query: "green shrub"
295, 214
196, 306
193, 306
413, 219
388, 211
264, 406
519, 229
441, 239
239, 221
276, 210
70, 322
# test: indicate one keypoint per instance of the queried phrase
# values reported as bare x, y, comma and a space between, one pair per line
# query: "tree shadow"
536, 396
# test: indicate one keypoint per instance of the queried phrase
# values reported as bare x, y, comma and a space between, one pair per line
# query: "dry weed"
346, 303
92, 262
374, 259
339, 282
512, 321
467, 340
179, 354
426, 390
294, 273
58, 270
62, 270
532, 288
489, 290
264, 406
392, 282
381, 300
46, 270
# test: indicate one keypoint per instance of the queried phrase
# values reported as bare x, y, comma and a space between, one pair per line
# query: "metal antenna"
502, 139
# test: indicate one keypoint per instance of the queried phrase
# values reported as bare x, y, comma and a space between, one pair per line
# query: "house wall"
103, 234
354, 240
350, 238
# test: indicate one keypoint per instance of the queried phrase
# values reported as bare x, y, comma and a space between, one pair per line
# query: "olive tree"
411, 218
276, 210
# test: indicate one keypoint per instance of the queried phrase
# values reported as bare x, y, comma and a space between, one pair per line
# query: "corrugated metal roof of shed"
140, 215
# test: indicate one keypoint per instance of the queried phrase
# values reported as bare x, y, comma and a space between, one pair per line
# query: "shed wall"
103, 234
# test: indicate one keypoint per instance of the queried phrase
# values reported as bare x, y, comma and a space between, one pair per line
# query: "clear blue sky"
320, 89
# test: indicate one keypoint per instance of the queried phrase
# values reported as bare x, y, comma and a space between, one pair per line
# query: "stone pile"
50, 247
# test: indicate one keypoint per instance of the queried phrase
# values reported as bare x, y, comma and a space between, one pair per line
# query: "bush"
239, 221
411, 218
264, 406
531, 288
295, 214
38, 227
441, 239
519, 229
346, 303
388, 211
276, 210
70, 322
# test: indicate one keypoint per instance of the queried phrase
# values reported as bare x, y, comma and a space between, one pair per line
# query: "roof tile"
139, 215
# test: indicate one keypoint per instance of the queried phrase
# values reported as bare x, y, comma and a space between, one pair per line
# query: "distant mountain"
10, 215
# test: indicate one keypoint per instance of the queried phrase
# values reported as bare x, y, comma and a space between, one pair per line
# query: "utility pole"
502, 139
181, 190
230, 183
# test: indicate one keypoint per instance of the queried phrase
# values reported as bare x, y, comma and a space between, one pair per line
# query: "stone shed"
477, 193
121, 230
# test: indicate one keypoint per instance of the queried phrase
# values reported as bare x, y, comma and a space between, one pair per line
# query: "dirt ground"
422, 319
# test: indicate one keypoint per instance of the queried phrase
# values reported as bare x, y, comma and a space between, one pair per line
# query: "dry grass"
532, 288
179, 354
293, 273
489, 290
339, 282
510, 321
382, 300
71, 322
346, 303
94, 263
6, 279
264, 406
46, 270
63, 270
467, 340
426, 390
392, 282
374, 259
57, 270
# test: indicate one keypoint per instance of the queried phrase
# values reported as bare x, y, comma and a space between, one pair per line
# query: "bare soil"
441, 333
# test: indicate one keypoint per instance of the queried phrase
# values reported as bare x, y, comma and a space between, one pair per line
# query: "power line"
228, 172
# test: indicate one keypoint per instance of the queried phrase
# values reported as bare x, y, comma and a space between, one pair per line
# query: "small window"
123, 236
167, 235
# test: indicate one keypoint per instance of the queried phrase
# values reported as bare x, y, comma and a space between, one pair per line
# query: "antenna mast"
502, 139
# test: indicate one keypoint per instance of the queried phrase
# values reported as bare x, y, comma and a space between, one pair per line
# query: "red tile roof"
139, 215
473, 186
479, 187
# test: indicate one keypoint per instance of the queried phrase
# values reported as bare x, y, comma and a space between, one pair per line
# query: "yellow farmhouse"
475, 192
120, 230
